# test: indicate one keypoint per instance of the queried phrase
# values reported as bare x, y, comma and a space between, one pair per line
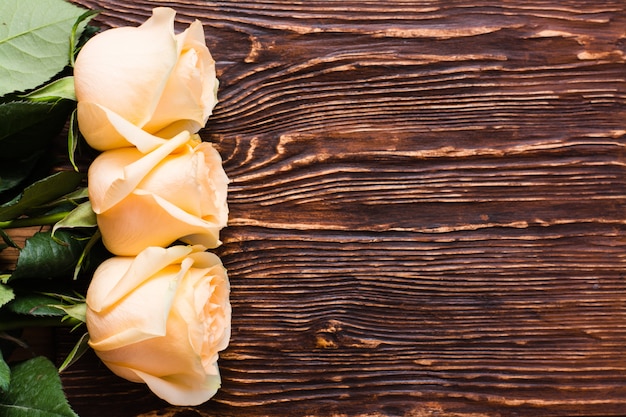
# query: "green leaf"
34, 41
35, 391
80, 348
41, 192
6, 294
62, 88
5, 375
45, 258
14, 172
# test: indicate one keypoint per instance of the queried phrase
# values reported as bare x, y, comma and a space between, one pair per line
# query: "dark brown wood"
427, 209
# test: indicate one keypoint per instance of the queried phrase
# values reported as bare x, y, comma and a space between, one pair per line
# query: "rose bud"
161, 318
144, 78
176, 192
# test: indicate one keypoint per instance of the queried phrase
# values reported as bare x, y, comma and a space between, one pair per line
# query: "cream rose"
161, 318
176, 192
144, 78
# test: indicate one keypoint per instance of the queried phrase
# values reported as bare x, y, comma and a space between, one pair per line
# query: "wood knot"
333, 336
327, 337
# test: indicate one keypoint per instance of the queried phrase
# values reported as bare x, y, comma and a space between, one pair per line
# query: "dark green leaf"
26, 133
15, 171
8, 241
28, 126
35, 305
67, 202
35, 391
41, 192
74, 196
43, 257
5, 375
19, 115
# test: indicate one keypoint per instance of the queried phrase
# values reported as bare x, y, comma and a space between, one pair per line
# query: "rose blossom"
176, 192
144, 78
161, 318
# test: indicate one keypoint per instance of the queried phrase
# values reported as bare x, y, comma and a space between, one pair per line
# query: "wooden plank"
427, 209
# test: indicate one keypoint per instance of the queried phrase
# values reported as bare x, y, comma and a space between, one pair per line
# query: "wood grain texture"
427, 209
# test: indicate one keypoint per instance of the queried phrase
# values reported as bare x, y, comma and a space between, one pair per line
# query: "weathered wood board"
426, 209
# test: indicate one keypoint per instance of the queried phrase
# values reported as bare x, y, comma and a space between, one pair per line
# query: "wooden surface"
427, 209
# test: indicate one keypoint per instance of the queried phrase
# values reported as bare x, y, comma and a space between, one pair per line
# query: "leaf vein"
33, 31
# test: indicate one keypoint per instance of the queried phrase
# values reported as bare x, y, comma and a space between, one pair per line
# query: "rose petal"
192, 86
104, 130
193, 180
155, 275
141, 57
193, 38
147, 264
110, 180
146, 335
183, 90
143, 220
113, 270
179, 390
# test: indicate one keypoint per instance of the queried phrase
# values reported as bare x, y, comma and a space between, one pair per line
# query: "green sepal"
79, 349
5, 374
73, 135
6, 294
95, 238
74, 311
82, 216
79, 31
8, 241
60, 89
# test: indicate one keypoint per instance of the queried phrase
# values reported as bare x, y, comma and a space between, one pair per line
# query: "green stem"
34, 221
